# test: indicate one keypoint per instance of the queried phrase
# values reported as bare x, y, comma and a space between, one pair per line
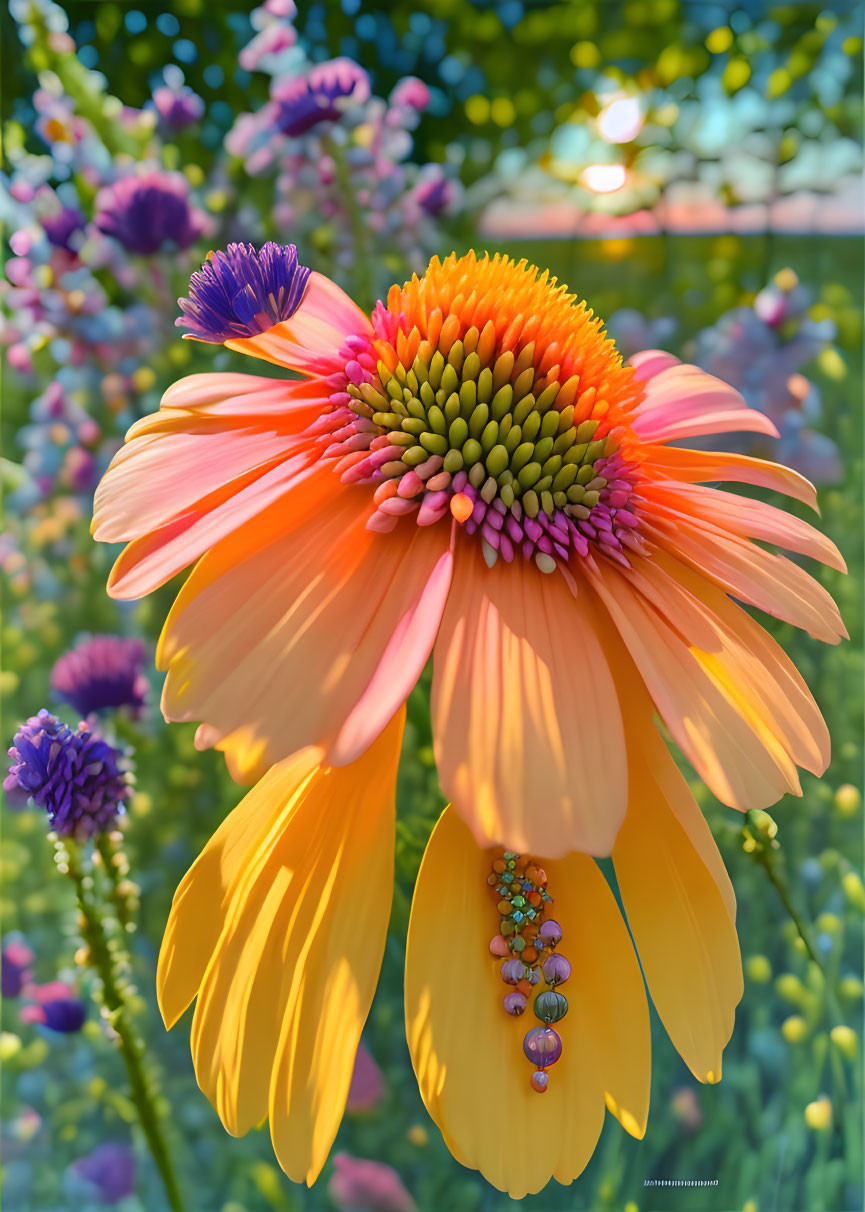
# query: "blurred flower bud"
818, 1115
845, 1040
848, 800
758, 969
794, 1029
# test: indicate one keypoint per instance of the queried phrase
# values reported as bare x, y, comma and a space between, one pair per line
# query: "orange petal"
680, 907
746, 517
528, 735
732, 700
694, 466
277, 638
279, 928
467, 1051
751, 574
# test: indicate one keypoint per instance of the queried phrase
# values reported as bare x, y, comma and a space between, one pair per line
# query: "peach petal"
526, 723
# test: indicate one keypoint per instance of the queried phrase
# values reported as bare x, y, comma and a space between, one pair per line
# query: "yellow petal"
680, 907
279, 927
467, 1051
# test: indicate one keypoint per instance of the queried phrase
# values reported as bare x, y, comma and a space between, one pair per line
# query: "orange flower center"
489, 395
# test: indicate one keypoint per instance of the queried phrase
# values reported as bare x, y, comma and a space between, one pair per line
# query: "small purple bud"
515, 1003
556, 969
513, 970
551, 931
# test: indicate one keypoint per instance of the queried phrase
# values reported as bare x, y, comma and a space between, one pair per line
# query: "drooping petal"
770, 582
732, 700
467, 1051
277, 636
683, 401
747, 518
527, 728
185, 457
696, 466
680, 906
151, 560
278, 929
311, 339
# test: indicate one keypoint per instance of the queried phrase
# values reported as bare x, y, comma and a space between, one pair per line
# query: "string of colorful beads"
527, 943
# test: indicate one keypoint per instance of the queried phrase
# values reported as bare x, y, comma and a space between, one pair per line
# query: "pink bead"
515, 1003
499, 946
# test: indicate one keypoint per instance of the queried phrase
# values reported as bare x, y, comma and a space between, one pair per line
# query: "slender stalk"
356, 218
131, 1048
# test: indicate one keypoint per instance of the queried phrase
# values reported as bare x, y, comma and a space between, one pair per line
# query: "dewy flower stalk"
470, 472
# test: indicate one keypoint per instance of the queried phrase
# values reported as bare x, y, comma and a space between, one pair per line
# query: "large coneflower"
470, 472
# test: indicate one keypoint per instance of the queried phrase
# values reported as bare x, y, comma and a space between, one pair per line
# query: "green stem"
131, 1048
359, 233
109, 852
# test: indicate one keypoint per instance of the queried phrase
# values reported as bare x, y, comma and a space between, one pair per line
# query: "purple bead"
556, 969
532, 975
512, 971
551, 931
515, 1003
543, 1046
539, 1081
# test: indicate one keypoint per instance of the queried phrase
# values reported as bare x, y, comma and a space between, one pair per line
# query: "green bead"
458, 432
415, 455
437, 420
478, 420
485, 385
434, 443
521, 455
501, 401
529, 474
451, 407
497, 460
472, 452
472, 367
586, 431
490, 436
450, 380
453, 462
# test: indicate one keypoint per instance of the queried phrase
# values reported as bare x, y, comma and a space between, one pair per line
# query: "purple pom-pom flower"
74, 776
177, 107
148, 213
102, 672
241, 292
320, 96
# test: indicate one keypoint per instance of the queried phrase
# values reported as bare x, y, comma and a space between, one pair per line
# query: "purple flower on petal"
110, 1168
319, 96
102, 672
241, 292
74, 776
148, 213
